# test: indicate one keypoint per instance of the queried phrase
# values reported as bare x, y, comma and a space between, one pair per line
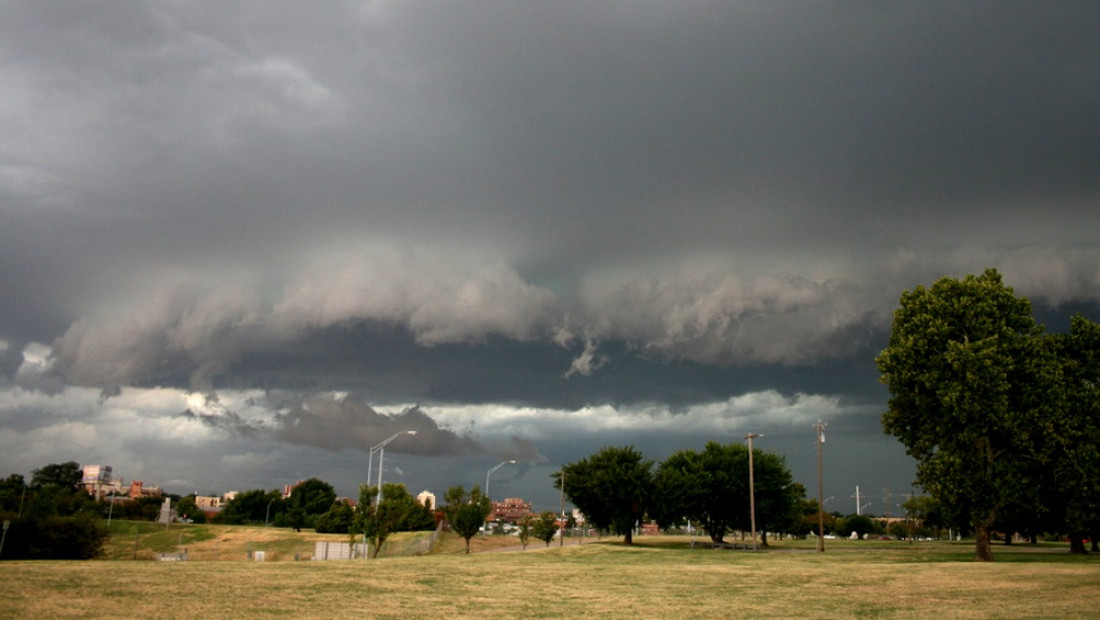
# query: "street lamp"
820, 428
267, 513
487, 474
752, 490
380, 449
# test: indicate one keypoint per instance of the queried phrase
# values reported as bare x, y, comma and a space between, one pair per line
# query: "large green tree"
307, 500
611, 487
466, 512
1074, 453
776, 494
969, 387
711, 488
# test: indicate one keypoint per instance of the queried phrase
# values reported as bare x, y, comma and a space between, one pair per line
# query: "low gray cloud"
347, 423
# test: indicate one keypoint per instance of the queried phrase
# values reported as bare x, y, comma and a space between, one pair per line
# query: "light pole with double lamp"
487, 474
380, 449
820, 428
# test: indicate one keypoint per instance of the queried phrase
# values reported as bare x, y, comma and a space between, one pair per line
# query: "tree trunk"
1077, 544
763, 538
628, 537
982, 551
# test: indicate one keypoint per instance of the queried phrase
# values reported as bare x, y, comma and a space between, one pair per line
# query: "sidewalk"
538, 544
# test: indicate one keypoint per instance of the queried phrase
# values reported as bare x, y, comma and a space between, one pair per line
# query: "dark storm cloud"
338, 424
346, 422
532, 204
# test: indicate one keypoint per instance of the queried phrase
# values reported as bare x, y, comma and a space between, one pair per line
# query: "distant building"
138, 489
96, 481
426, 496
208, 502
510, 510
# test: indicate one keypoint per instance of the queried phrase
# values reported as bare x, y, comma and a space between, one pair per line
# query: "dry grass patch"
650, 580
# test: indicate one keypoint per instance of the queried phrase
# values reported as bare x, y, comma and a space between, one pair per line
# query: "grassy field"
659, 577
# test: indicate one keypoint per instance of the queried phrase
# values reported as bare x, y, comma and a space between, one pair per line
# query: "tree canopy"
711, 488
987, 403
66, 475
545, 527
52, 518
253, 506
466, 512
1074, 457
396, 511
309, 499
611, 487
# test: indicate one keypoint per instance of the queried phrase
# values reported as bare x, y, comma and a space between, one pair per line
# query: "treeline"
53, 517
618, 489
50, 518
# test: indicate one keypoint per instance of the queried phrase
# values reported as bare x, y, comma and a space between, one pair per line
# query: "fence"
415, 545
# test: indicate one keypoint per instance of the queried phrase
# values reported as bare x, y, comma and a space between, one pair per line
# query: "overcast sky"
242, 242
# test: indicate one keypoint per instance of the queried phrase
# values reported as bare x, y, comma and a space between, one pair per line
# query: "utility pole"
561, 533
886, 495
752, 490
820, 428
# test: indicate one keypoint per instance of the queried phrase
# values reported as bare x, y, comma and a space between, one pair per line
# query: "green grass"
659, 577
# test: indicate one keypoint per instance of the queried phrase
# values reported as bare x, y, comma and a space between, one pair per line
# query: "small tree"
466, 512
186, 508
859, 524
525, 531
925, 511
545, 527
899, 529
396, 511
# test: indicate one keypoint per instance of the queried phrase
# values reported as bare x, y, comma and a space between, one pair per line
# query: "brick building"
510, 510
